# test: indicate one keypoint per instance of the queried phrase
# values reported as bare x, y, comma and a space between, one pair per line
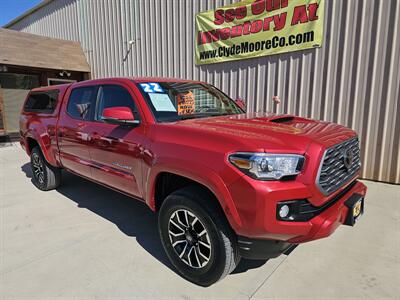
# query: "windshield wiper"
194, 116
221, 114
203, 115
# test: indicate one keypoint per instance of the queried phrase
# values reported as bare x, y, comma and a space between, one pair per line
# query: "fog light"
284, 211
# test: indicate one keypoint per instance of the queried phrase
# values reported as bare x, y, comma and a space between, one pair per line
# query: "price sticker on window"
151, 87
186, 103
162, 102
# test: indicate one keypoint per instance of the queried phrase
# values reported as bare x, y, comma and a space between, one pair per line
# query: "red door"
73, 137
116, 151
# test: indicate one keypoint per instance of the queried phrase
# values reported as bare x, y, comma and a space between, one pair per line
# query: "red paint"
130, 159
119, 113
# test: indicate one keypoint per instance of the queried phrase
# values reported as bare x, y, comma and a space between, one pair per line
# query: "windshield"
174, 101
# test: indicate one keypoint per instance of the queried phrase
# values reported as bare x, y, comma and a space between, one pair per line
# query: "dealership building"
352, 79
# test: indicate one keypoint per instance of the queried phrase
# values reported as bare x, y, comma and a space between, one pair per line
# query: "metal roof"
30, 50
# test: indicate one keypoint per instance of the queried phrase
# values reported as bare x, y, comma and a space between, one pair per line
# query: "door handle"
61, 132
98, 140
94, 136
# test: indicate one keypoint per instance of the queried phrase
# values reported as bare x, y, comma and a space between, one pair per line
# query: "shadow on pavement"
248, 264
132, 217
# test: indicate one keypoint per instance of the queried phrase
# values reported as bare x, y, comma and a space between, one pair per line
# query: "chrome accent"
339, 164
189, 238
122, 166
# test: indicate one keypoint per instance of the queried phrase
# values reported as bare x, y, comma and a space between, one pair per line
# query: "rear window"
42, 101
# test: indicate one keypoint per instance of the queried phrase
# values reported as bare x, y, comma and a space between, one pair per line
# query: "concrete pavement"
83, 241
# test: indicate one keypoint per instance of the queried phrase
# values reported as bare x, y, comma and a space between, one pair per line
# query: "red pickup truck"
225, 183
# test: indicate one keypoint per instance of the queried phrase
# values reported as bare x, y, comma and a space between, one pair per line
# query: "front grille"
337, 168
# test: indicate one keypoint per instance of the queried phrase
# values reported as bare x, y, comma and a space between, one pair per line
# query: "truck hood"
265, 132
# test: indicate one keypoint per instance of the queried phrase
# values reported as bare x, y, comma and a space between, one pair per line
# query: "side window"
113, 96
81, 103
42, 101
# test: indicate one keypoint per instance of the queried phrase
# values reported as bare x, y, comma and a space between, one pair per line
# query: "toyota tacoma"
225, 184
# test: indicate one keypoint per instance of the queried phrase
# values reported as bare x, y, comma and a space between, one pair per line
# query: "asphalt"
83, 241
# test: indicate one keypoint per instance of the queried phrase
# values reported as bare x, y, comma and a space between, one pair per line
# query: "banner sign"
254, 28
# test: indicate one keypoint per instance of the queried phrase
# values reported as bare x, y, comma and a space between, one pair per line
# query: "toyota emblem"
348, 158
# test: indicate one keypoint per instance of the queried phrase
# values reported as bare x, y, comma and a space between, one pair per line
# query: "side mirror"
119, 116
241, 103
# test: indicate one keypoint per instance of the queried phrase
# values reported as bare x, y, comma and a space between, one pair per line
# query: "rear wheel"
45, 176
196, 238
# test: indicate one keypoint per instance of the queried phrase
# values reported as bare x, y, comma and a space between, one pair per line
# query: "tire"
45, 177
201, 257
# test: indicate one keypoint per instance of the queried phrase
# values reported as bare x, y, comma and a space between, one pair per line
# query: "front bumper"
256, 204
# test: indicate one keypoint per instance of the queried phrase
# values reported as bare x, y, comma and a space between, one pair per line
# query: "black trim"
263, 249
302, 210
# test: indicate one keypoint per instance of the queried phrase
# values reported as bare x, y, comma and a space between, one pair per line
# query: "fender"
42, 136
193, 171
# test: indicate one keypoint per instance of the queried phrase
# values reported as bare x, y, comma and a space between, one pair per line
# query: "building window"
18, 81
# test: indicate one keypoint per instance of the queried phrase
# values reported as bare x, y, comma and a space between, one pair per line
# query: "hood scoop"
282, 119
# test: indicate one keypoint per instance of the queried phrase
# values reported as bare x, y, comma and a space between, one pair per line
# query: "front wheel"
196, 237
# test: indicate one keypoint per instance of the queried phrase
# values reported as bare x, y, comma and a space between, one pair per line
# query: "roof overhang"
30, 50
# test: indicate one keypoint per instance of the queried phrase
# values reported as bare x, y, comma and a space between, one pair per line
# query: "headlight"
266, 166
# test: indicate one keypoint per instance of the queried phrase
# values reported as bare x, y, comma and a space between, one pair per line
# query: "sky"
10, 9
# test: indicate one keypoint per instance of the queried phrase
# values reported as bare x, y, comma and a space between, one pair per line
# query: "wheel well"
167, 183
31, 143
